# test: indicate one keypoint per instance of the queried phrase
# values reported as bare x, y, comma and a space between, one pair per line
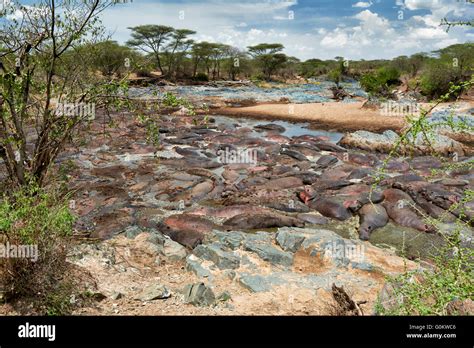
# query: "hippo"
229, 211
187, 230
313, 219
397, 203
372, 216
294, 154
256, 221
270, 127
330, 207
326, 161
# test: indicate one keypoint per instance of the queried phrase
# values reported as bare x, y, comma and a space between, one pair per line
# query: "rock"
199, 295
289, 241
132, 231
116, 296
269, 253
254, 283
224, 297
231, 239
214, 253
369, 141
153, 292
174, 251
193, 264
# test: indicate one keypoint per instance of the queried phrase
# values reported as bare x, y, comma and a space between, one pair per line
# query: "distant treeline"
176, 56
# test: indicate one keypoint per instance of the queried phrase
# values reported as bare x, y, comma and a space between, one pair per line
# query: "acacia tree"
151, 39
269, 57
178, 48
235, 62
201, 53
39, 70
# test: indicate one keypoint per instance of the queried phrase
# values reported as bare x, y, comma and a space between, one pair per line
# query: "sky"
368, 29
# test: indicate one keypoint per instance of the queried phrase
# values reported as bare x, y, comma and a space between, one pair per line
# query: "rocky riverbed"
235, 216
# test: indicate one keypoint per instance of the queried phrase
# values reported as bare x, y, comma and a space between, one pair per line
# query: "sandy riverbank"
327, 116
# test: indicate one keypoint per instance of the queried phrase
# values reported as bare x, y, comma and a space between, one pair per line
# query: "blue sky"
366, 29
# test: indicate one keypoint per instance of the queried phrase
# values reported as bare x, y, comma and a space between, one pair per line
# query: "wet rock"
153, 292
199, 295
213, 252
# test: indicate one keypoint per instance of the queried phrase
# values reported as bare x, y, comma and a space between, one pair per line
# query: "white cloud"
336, 39
428, 34
243, 23
362, 4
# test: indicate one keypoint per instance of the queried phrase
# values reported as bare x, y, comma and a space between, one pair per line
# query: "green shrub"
41, 221
380, 83
202, 77
437, 80
431, 292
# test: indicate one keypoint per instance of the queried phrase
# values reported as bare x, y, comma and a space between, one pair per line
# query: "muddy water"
292, 129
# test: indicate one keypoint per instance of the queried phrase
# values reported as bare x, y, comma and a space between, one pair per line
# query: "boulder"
199, 295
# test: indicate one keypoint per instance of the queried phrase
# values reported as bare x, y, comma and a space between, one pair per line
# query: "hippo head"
307, 195
364, 232
353, 205
429, 228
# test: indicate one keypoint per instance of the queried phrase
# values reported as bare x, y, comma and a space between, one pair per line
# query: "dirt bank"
343, 117
340, 116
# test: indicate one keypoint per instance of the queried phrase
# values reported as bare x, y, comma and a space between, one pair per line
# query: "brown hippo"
372, 216
399, 208
186, 229
256, 221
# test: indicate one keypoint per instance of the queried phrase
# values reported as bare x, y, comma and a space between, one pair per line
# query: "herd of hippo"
294, 181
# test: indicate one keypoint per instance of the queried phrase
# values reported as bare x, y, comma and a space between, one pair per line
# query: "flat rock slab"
269, 253
153, 292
